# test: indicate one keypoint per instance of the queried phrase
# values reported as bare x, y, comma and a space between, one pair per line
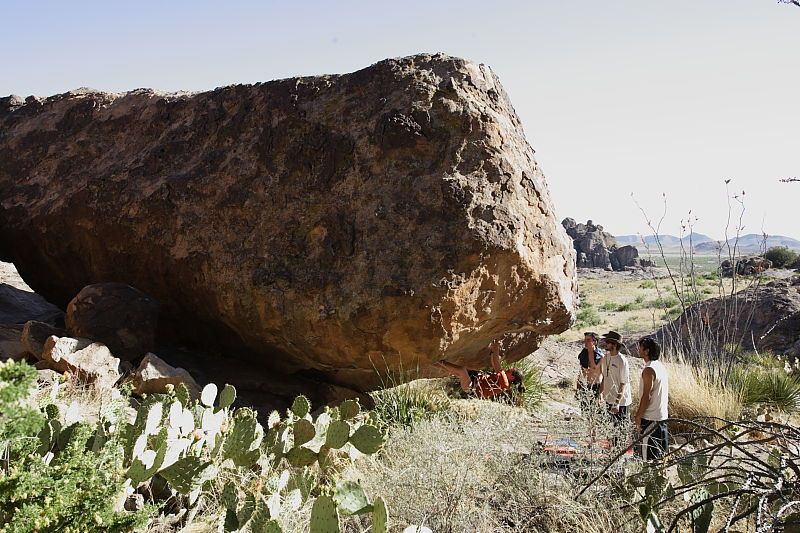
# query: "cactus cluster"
188, 443
295, 444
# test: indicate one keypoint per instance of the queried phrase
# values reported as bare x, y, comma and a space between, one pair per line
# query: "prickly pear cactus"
338, 432
349, 409
380, 516
324, 516
188, 473
301, 406
227, 397
351, 498
367, 439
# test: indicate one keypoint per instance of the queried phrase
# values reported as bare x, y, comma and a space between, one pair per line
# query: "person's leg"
647, 440
660, 440
458, 371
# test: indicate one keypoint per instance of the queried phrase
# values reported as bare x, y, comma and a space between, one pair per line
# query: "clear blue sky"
617, 97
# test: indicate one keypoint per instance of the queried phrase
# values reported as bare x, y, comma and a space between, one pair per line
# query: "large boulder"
624, 256
764, 318
11, 342
118, 315
35, 334
335, 224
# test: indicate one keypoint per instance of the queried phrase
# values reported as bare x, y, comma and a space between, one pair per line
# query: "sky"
635, 108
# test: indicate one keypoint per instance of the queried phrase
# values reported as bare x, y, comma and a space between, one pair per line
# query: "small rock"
91, 361
118, 315
154, 374
134, 502
35, 334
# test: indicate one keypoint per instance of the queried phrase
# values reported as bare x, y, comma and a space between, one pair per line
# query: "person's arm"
495, 351
647, 386
603, 362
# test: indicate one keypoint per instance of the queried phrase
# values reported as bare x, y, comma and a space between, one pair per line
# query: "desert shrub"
586, 317
647, 284
535, 387
773, 388
405, 404
70, 484
695, 392
781, 256
639, 300
664, 302
732, 476
608, 306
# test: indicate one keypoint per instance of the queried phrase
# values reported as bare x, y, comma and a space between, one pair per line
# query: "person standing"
616, 384
651, 416
588, 385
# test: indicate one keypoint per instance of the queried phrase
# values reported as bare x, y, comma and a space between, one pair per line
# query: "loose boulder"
332, 225
765, 318
118, 315
91, 362
745, 266
154, 375
35, 335
625, 257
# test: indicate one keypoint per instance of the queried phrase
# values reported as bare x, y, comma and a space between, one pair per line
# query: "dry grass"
479, 469
693, 392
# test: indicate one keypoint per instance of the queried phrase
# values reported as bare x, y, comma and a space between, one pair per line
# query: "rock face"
768, 316
596, 248
334, 224
624, 256
35, 335
116, 314
18, 306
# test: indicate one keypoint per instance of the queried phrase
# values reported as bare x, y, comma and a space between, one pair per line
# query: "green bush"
773, 388
781, 256
647, 284
69, 484
587, 316
535, 387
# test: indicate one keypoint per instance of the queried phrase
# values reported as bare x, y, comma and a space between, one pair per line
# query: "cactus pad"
301, 406
227, 396
208, 395
349, 409
52, 411
187, 473
350, 498
380, 516
337, 435
300, 457
367, 439
304, 431
324, 517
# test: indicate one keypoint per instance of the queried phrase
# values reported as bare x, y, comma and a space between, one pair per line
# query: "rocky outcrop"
624, 256
118, 315
596, 248
765, 318
331, 224
745, 266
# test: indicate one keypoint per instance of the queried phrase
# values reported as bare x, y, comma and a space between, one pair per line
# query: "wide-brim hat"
613, 336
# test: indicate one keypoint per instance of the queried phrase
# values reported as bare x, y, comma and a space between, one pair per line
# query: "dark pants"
619, 417
654, 444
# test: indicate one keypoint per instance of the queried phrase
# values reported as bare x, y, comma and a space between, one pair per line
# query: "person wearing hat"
616, 385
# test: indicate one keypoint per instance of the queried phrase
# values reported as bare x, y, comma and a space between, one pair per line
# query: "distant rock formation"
745, 266
596, 248
332, 225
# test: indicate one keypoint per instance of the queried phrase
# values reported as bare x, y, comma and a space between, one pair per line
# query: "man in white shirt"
651, 416
616, 385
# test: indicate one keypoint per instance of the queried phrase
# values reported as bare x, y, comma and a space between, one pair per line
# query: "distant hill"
667, 241
751, 243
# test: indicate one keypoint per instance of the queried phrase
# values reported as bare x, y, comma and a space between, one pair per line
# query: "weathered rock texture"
745, 266
596, 248
154, 374
765, 318
335, 223
116, 314
91, 361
